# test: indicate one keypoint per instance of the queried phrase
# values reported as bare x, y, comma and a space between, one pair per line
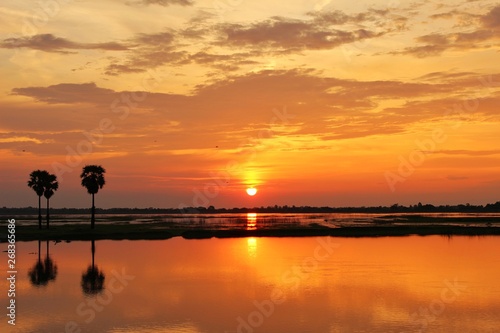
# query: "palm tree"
37, 183
51, 185
93, 179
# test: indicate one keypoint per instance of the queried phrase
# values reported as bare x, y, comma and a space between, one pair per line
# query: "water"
387, 284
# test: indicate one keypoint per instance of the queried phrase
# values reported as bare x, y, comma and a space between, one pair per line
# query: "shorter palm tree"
37, 183
93, 180
51, 185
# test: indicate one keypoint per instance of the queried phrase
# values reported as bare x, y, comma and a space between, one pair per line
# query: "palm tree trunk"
92, 220
39, 212
48, 214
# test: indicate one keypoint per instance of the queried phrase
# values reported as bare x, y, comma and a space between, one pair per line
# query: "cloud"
165, 3
51, 43
445, 15
158, 49
483, 36
153, 39
144, 50
462, 18
149, 51
226, 46
9, 138
492, 19
68, 93
468, 152
281, 34
225, 62
446, 76
243, 106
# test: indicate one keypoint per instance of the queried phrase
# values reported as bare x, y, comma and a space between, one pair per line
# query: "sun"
251, 191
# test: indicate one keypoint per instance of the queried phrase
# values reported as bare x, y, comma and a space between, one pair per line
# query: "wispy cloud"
322, 30
165, 3
150, 51
484, 35
328, 107
51, 43
67, 93
468, 152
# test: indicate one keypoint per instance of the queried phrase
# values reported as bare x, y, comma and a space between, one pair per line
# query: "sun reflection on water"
251, 221
252, 247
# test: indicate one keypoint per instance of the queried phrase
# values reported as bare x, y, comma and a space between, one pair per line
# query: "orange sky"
188, 102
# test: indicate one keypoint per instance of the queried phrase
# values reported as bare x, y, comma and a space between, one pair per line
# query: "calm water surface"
320, 285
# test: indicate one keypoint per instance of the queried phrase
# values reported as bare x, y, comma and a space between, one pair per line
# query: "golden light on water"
252, 247
251, 221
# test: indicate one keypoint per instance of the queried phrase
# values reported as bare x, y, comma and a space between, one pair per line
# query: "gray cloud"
68, 93
149, 51
436, 43
51, 43
492, 19
281, 34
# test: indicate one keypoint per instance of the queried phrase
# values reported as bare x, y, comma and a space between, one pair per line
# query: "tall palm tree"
51, 185
93, 179
37, 183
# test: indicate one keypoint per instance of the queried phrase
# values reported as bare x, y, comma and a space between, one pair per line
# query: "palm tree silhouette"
37, 183
43, 271
93, 179
93, 279
51, 185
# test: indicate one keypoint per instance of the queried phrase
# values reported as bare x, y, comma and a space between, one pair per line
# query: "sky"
191, 102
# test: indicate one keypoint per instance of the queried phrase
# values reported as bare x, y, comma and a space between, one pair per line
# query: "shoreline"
155, 231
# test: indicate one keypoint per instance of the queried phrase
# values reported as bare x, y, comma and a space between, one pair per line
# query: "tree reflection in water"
93, 279
43, 271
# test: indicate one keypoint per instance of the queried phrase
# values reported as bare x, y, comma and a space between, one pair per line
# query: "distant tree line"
396, 208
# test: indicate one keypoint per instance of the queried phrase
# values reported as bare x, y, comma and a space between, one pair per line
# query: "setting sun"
251, 191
